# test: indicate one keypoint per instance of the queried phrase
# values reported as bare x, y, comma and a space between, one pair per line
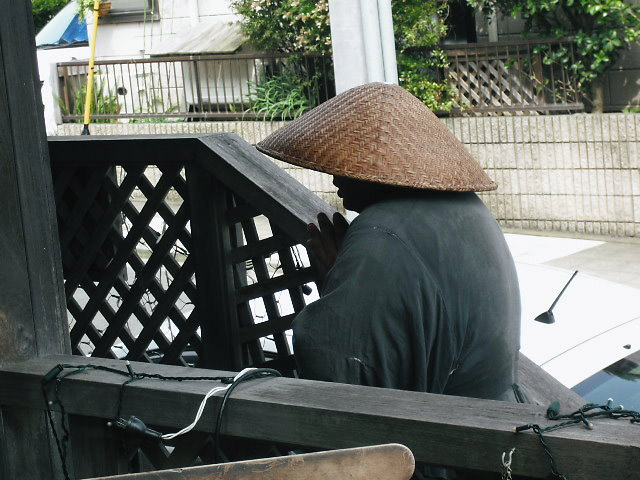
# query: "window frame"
137, 15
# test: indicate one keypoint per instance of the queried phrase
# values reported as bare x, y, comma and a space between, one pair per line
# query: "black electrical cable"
61, 452
132, 425
253, 374
583, 415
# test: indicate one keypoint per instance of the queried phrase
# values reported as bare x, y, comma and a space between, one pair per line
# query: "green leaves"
601, 30
286, 25
45, 10
281, 96
303, 26
419, 26
104, 103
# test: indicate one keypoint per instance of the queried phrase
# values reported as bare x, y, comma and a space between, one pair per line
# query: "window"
133, 11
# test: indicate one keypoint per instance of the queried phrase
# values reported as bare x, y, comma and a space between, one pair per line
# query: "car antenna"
547, 317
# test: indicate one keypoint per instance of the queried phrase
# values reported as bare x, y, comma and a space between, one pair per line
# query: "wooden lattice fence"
199, 267
515, 76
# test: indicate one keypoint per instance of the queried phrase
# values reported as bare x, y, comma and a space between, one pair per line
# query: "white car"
593, 347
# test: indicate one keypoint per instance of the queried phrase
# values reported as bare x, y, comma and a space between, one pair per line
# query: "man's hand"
325, 241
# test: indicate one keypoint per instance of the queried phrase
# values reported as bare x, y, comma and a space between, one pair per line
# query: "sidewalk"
616, 260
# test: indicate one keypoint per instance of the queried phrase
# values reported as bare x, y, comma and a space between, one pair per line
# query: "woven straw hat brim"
378, 133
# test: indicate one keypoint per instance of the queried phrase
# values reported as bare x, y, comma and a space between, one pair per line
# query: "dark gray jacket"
423, 296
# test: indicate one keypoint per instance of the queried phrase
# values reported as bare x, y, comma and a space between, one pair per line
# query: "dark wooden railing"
176, 271
512, 76
466, 433
497, 77
224, 184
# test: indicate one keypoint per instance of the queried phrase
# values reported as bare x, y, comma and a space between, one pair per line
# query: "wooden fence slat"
216, 309
263, 329
241, 212
86, 195
184, 337
257, 249
304, 275
161, 311
101, 232
124, 248
261, 183
144, 278
262, 276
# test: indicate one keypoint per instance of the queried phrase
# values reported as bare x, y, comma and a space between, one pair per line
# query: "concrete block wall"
558, 173
563, 173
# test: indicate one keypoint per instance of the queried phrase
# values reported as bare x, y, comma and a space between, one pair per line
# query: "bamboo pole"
89, 93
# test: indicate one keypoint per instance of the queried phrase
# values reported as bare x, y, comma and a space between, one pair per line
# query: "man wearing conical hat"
421, 291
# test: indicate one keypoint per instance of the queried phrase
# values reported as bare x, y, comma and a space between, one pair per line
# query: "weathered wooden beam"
32, 307
262, 183
543, 388
456, 431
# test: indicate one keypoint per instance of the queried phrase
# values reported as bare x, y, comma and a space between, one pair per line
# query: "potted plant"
84, 5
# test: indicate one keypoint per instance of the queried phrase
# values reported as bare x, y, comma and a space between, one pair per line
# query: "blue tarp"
63, 29
76, 32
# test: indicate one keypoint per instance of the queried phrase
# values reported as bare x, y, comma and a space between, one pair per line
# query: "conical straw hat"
379, 133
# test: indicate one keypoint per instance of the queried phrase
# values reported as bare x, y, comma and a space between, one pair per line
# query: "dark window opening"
461, 22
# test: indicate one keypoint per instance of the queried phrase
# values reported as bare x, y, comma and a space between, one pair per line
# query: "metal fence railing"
513, 76
498, 77
198, 87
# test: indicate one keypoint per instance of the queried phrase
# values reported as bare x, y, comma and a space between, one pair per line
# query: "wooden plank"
380, 462
241, 212
32, 307
543, 388
456, 431
261, 183
259, 248
263, 329
31, 268
216, 308
130, 150
97, 447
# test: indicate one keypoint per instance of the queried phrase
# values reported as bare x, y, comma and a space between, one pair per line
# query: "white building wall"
47, 67
134, 39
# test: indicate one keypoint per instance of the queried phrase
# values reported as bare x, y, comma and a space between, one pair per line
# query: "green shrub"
45, 10
281, 96
102, 104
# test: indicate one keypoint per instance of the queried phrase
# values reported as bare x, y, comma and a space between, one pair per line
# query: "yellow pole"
89, 95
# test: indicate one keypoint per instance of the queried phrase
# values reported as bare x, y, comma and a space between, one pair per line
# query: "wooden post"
214, 274
32, 307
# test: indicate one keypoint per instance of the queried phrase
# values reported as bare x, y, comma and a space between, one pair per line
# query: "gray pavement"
614, 260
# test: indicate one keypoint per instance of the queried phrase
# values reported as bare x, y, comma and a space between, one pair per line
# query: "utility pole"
363, 42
